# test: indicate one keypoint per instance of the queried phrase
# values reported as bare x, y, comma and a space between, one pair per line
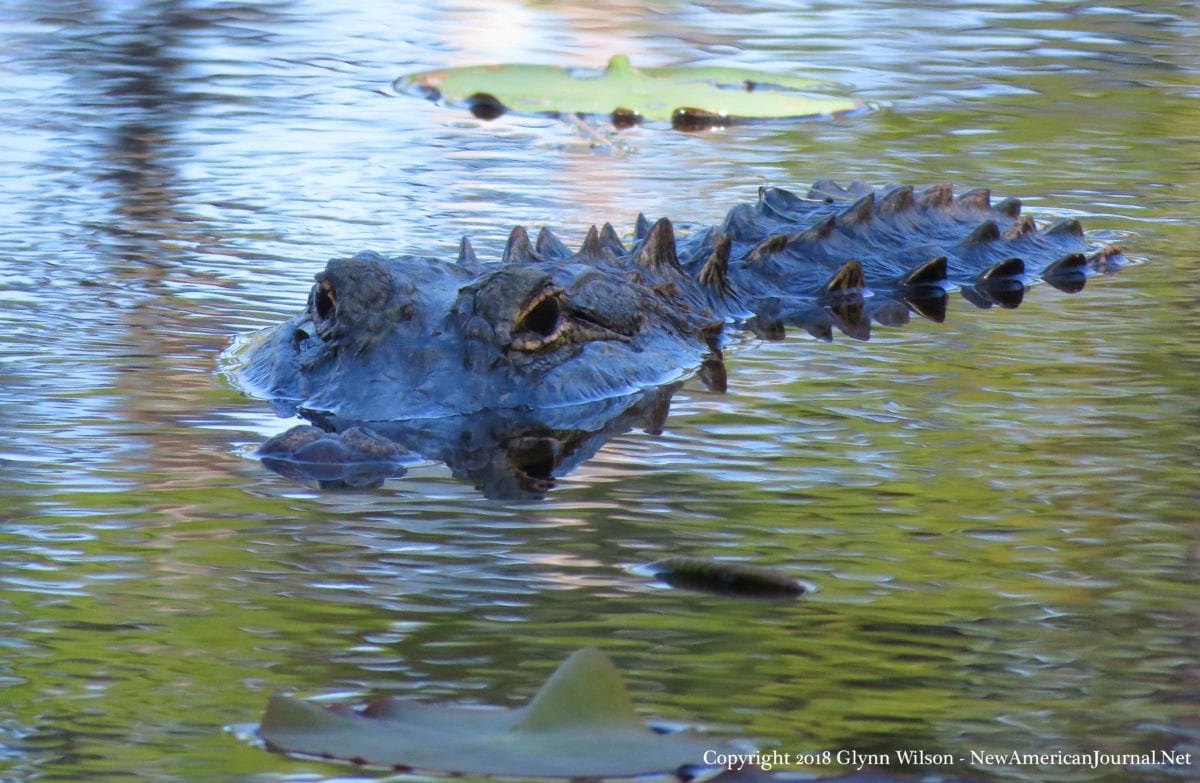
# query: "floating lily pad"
690, 98
581, 724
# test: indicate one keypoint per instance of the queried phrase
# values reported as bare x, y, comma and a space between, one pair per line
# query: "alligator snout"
357, 300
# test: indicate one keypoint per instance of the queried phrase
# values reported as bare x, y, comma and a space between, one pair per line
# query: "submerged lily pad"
725, 578
690, 98
581, 724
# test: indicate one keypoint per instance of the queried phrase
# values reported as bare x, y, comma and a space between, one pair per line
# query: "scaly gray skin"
386, 339
410, 338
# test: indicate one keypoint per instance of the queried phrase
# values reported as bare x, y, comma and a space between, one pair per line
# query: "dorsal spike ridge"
641, 227
657, 251
610, 240
985, 232
466, 253
779, 201
848, 278
768, 247
827, 190
518, 250
591, 249
1067, 273
1070, 264
1066, 227
1000, 284
932, 272
1009, 267
897, 200
860, 213
715, 272
1023, 227
1108, 259
1009, 208
743, 223
815, 233
976, 198
550, 246
936, 196
700, 247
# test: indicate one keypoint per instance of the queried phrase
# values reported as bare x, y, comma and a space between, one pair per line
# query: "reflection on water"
996, 514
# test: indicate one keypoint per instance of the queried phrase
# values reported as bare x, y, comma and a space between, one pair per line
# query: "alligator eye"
540, 323
543, 318
324, 299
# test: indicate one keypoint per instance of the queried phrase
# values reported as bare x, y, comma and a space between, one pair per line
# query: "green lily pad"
581, 724
690, 98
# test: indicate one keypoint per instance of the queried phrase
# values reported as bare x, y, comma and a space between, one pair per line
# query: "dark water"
998, 514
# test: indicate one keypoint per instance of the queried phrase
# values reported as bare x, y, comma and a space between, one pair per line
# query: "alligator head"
385, 339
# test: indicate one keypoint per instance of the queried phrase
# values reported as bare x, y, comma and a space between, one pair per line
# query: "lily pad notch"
581, 724
690, 98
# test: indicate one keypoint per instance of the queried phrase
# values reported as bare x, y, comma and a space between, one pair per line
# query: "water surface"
997, 514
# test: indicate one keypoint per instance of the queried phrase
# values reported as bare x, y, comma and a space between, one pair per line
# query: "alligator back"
847, 256
899, 248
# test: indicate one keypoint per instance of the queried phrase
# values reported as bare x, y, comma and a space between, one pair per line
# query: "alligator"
407, 343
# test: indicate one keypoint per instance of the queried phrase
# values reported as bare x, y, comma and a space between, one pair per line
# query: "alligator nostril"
324, 301
543, 318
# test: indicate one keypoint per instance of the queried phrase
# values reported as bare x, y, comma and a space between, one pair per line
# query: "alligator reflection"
506, 454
